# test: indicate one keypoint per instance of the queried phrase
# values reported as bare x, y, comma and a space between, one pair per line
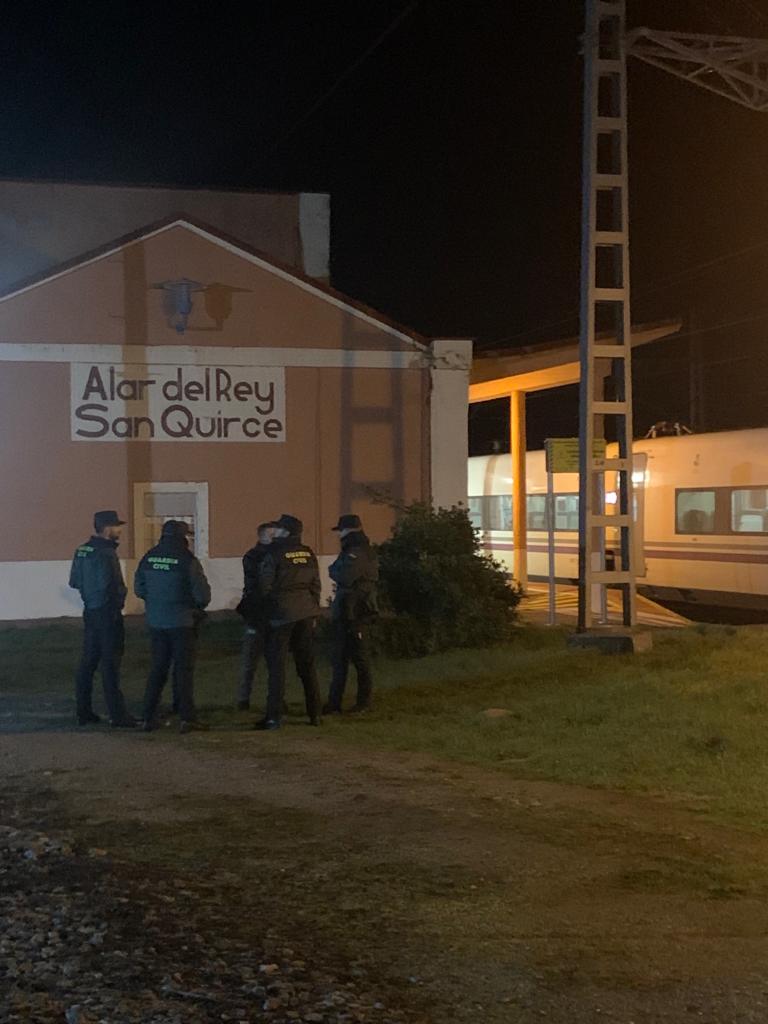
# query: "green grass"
688, 719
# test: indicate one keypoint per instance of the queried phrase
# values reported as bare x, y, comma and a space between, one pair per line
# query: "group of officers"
280, 606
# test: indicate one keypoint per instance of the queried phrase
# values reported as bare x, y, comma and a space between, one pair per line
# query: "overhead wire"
346, 74
757, 14
695, 332
675, 279
640, 291
717, 17
392, 27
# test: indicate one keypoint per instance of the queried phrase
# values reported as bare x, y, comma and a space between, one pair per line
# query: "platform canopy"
512, 374
496, 374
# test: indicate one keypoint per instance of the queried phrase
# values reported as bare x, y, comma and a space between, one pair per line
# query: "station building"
184, 371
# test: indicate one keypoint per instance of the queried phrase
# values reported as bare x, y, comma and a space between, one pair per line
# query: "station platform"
534, 608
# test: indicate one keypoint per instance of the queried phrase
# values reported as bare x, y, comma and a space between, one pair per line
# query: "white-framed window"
749, 510
695, 510
155, 503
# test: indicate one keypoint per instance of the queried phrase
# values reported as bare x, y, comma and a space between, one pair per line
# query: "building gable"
182, 283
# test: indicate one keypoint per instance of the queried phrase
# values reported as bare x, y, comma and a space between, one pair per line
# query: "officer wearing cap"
289, 582
355, 573
97, 575
172, 584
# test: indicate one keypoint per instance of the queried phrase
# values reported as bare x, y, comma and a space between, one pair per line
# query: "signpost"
562, 456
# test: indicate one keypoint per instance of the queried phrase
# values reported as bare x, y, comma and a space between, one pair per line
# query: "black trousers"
350, 644
177, 648
253, 648
103, 644
299, 638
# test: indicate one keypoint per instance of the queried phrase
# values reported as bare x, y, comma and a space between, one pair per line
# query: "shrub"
438, 589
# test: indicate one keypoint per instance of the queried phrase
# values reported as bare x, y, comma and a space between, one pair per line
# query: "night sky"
452, 154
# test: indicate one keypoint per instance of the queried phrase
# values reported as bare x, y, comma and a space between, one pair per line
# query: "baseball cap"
293, 525
348, 522
176, 528
108, 517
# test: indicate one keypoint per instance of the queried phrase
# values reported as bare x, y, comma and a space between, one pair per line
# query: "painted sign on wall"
122, 402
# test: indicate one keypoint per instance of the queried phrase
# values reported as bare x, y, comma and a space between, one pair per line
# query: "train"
700, 507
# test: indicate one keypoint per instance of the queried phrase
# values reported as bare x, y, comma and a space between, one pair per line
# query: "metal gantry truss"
734, 68
729, 66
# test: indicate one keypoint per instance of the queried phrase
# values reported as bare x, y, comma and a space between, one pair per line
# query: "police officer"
96, 573
289, 581
172, 584
252, 609
355, 573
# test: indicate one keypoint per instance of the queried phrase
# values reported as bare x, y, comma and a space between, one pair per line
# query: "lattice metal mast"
732, 67
605, 341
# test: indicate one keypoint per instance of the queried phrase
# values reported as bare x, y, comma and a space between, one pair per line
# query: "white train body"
701, 508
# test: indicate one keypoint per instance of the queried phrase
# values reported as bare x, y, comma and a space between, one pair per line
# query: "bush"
438, 589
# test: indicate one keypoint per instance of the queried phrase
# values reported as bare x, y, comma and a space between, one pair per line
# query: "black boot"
123, 723
193, 725
267, 725
89, 718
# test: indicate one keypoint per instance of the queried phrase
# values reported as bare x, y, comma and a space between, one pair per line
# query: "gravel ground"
161, 879
83, 943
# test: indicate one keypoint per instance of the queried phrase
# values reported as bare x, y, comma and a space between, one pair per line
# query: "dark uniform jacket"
252, 605
355, 573
96, 573
171, 582
289, 582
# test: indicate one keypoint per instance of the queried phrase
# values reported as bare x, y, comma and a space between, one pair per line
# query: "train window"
749, 510
695, 511
475, 507
491, 512
494, 512
536, 510
499, 512
566, 511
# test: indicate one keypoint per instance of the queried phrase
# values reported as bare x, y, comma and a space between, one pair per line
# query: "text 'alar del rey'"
177, 403
216, 385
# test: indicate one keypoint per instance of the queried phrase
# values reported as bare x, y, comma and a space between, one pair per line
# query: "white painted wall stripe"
183, 355
40, 590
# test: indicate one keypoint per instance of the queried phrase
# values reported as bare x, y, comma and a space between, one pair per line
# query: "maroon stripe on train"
711, 556
681, 556
531, 547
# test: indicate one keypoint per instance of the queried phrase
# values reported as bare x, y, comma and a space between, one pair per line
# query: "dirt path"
478, 897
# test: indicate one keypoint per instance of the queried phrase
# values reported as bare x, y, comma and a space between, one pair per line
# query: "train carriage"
701, 506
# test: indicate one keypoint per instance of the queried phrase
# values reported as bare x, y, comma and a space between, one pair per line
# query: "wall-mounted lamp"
177, 301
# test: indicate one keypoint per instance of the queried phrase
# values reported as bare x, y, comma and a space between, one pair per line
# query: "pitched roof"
232, 245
